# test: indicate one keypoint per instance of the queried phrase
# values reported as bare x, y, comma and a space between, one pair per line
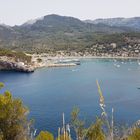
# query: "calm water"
49, 92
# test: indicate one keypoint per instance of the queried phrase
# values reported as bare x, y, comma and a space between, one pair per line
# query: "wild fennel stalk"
104, 114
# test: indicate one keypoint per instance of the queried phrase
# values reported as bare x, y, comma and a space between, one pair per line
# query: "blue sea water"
48, 92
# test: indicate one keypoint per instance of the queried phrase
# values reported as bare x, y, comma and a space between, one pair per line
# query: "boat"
138, 62
117, 65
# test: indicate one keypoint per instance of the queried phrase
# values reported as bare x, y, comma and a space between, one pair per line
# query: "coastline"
50, 61
94, 57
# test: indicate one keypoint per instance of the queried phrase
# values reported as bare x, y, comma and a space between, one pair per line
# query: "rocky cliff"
15, 66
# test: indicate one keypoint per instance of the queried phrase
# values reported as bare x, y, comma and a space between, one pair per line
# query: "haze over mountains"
118, 22
61, 32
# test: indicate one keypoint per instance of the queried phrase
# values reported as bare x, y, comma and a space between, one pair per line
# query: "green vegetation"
39, 60
55, 33
13, 118
95, 131
135, 134
44, 135
18, 56
95, 43
14, 124
1, 85
78, 124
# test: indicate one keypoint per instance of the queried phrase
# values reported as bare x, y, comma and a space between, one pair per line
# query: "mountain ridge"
133, 22
57, 32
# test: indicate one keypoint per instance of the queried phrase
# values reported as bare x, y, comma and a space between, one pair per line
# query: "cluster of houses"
107, 50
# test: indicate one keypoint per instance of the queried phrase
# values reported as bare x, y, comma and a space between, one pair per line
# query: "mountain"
56, 23
118, 22
8, 36
59, 32
7, 32
54, 32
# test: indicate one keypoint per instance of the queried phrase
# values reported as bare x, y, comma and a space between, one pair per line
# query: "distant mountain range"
54, 32
118, 22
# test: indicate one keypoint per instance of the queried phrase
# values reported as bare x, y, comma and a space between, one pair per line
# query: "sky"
16, 12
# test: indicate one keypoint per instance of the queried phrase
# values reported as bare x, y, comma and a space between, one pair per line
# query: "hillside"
54, 32
118, 22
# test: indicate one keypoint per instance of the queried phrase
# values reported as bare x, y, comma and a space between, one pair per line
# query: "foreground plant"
135, 134
78, 124
14, 124
45, 135
95, 131
104, 114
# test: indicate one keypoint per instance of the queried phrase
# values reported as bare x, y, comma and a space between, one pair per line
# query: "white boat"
138, 62
117, 65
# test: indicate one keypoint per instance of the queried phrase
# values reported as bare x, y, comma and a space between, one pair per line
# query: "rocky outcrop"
15, 66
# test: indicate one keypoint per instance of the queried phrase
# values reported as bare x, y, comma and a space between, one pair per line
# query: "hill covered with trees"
55, 33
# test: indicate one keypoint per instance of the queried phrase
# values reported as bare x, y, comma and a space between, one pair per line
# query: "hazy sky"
19, 11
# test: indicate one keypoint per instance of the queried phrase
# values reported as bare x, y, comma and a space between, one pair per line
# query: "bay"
48, 92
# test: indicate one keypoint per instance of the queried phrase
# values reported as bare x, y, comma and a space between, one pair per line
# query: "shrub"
13, 118
45, 135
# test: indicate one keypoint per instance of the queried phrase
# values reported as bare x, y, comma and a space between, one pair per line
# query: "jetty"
60, 64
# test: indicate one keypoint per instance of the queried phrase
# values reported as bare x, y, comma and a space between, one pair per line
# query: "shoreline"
52, 61
92, 57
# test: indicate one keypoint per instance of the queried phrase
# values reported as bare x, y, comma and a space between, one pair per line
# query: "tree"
13, 118
78, 124
95, 131
45, 135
